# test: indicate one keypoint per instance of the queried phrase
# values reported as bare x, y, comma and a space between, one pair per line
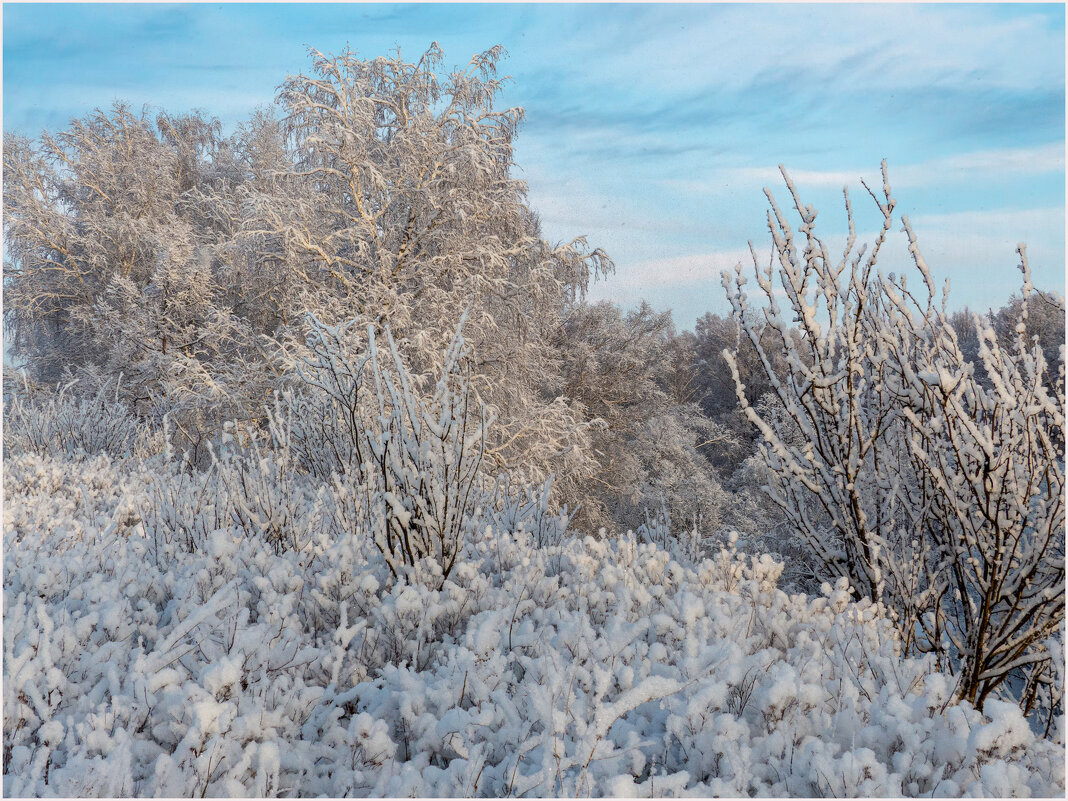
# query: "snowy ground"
132, 667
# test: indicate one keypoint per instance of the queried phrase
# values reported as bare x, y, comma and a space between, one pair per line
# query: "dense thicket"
136, 667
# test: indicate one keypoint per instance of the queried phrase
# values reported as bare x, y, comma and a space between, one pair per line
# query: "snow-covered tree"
110, 271
935, 494
625, 371
403, 211
382, 192
91, 204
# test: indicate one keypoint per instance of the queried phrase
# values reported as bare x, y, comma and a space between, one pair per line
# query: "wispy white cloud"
977, 250
985, 165
997, 221
876, 46
962, 238
1043, 158
681, 270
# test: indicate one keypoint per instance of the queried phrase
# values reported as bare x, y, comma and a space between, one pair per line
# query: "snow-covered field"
134, 667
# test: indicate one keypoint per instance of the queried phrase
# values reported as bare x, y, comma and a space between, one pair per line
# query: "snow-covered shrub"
265, 493
72, 419
514, 506
182, 508
407, 465
929, 490
588, 667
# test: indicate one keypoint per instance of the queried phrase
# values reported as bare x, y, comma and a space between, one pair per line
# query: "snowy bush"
254, 488
927, 489
515, 506
582, 668
71, 420
407, 466
265, 494
182, 507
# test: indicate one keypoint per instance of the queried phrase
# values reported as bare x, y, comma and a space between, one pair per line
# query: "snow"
134, 666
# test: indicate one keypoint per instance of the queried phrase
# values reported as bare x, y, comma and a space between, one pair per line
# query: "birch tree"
83, 206
401, 209
110, 271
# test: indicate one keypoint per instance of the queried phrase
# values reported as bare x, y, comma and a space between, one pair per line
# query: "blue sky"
653, 128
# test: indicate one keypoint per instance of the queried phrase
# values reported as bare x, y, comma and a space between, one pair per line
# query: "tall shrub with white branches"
407, 468
933, 493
